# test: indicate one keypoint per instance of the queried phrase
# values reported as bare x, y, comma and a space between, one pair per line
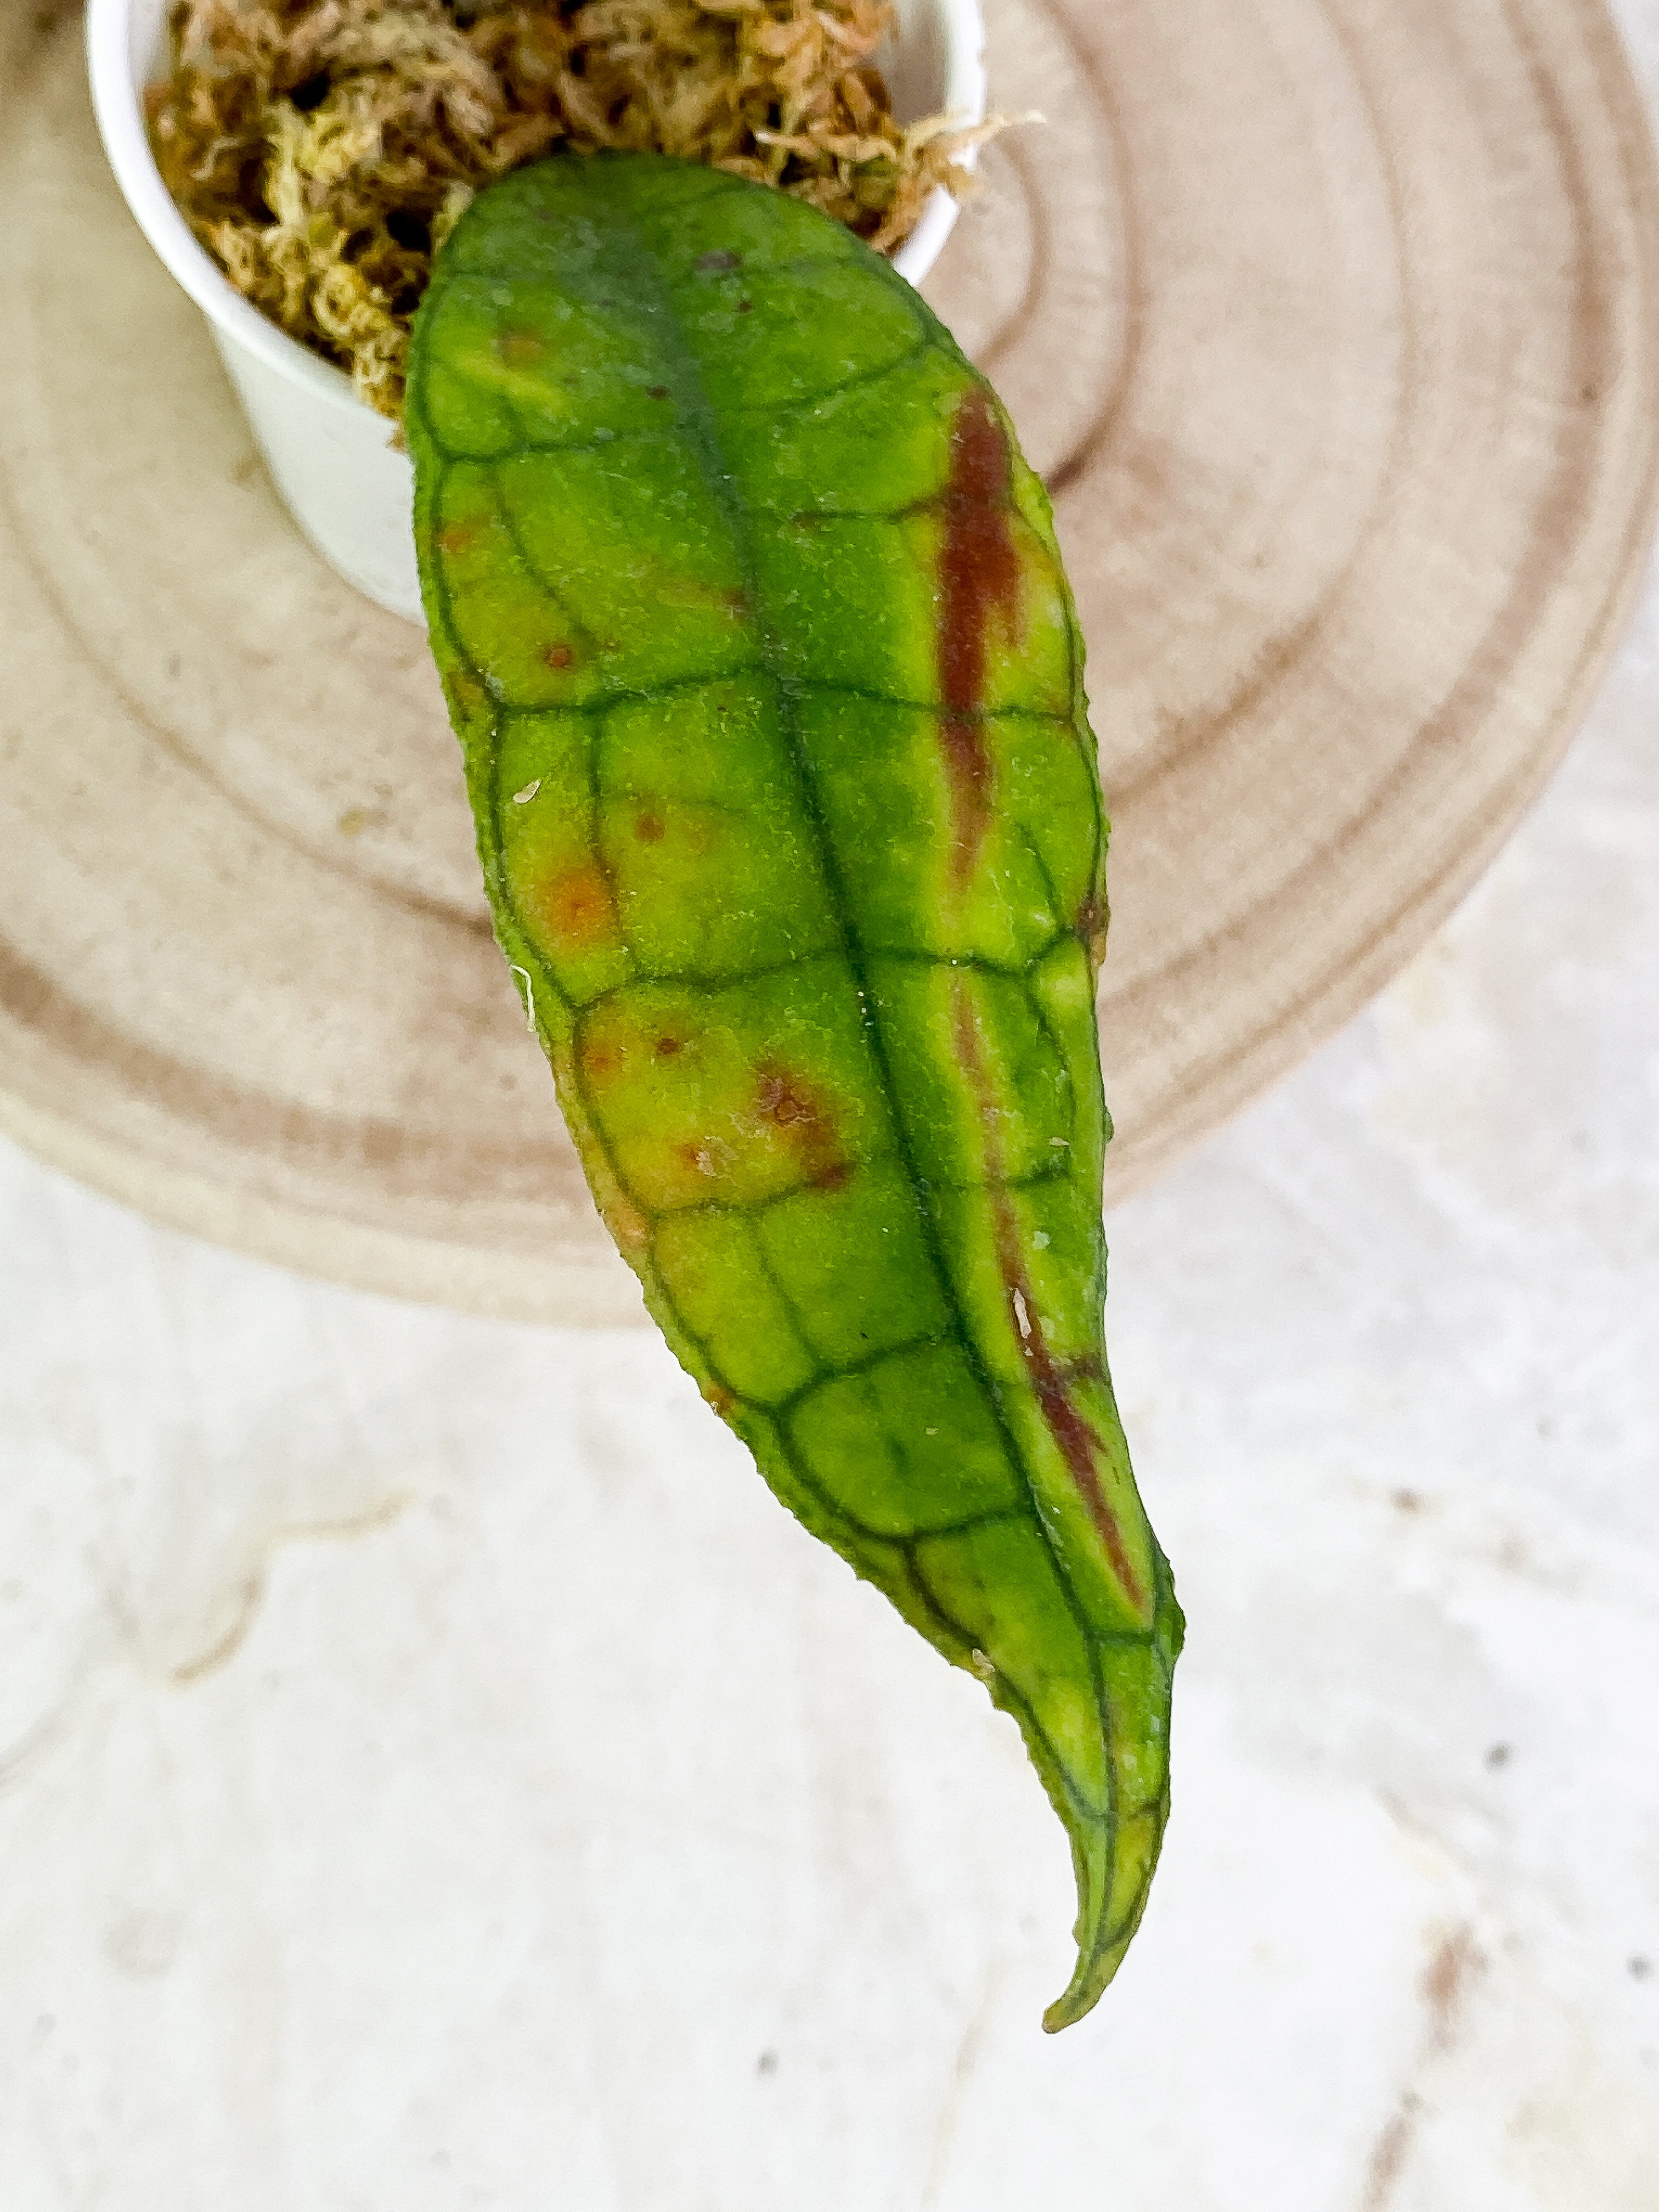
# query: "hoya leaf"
758, 641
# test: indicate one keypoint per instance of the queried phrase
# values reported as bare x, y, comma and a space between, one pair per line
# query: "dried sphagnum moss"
322, 150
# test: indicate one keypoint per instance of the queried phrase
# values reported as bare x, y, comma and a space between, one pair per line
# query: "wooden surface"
1335, 328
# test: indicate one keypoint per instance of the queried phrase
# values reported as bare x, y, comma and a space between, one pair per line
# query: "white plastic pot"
345, 485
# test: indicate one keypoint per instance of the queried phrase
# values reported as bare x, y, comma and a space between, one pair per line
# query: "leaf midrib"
702, 427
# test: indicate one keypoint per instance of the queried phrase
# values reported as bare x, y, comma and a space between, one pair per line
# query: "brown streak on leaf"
979, 582
1050, 1382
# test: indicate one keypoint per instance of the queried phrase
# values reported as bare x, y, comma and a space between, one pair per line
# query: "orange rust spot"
459, 537
668, 1046
648, 829
558, 656
717, 1396
519, 348
699, 1157
979, 578
576, 909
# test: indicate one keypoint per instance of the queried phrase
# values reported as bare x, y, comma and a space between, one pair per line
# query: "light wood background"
1333, 328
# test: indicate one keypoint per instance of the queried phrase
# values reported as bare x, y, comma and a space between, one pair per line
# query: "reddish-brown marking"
1051, 1383
790, 1104
459, 537
717, 1396
558, 656
968, 765
630, 1228
576, 909
465, 694
520, 349
1091, 920
668, 1046
979, 578
780, 1102
599, 1062
648, 829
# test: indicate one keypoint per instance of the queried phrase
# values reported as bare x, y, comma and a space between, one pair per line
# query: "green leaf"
770, 689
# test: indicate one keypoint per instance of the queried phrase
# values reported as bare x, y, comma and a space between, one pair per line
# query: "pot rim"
118, 75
